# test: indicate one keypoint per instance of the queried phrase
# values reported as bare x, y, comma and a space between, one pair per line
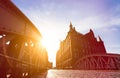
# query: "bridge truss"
21, 52
99, 62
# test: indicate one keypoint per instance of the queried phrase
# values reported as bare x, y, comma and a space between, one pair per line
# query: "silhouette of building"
84, 51
50, 65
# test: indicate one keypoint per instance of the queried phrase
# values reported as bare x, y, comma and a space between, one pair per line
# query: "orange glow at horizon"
51, 46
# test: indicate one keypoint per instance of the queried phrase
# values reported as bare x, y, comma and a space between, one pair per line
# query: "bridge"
23, 56
99, 62
21, 52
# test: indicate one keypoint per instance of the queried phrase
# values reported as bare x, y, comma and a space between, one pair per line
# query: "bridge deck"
79, 74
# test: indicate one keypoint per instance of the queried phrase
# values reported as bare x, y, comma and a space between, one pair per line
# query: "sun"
44, 42
51, 47
50, 41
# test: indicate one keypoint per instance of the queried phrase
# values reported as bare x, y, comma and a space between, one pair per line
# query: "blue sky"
52, 18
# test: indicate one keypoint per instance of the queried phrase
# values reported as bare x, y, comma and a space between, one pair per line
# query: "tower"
71, 26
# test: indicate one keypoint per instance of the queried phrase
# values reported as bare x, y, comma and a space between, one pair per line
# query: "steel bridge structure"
99, 62
21, 51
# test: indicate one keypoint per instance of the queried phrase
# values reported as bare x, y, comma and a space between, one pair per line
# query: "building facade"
77, 48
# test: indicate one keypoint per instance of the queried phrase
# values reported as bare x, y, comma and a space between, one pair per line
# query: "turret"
91, 32
71, 26
100, 40
101, 45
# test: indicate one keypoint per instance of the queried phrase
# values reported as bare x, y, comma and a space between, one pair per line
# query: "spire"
71, 26
99, 38
70, 23
91, 32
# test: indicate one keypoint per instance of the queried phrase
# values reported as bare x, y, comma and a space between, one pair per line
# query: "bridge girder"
20, 47
99, 62
12, 20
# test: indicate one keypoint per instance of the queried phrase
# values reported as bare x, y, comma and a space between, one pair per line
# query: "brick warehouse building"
84, 51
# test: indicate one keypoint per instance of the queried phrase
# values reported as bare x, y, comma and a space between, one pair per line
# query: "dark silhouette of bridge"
21, 53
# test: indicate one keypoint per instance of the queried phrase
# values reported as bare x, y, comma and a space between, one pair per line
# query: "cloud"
113, 49
52, 18
111, 38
